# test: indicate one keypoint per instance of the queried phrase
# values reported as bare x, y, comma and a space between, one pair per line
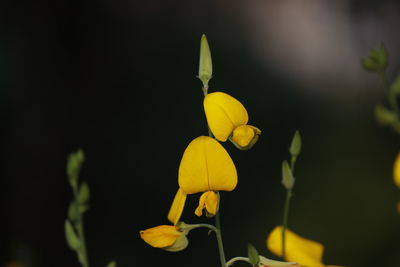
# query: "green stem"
219, 240
83, 258
233, 260
205, 90
285, 221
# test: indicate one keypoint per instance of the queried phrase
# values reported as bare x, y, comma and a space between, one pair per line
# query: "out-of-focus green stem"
391, 95
285, 221
219, 240
233, 260
81, 233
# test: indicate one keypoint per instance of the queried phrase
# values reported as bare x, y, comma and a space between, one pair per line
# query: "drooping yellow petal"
161, 236
298, 249
177, 206
209, 201
224, 113
396, 171
206, 166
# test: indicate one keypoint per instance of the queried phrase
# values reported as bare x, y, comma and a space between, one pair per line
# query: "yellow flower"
298, 249
396, 171
168, 237
227, 118
205, 167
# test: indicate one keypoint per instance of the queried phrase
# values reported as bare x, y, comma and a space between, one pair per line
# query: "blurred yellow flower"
167, 237
227, 118
304, 251
205, 167
396, 171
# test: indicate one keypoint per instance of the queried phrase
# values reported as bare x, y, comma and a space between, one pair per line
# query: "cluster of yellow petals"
205, 167
168, 237
298, 249
227, 118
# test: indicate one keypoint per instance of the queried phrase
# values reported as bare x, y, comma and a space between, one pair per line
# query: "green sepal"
252, 254
112, 264
295, 146
73, 211
71, 237
205, 62
287, 175
376, 61
83, 193
75, 160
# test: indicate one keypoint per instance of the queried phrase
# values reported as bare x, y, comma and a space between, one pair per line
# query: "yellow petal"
177, 206
206, 166
161, 236
209, 201
224, 113
298, 249
396, 171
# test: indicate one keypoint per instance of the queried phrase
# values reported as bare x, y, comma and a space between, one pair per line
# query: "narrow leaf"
84, 193
72, 239
73, 211
74, 163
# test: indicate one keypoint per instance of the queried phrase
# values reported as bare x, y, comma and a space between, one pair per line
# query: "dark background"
118, 79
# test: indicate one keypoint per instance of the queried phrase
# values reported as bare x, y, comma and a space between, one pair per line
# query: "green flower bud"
287, 175
205, 63
295, 146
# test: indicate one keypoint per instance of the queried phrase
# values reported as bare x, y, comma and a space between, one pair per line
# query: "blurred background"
118, 79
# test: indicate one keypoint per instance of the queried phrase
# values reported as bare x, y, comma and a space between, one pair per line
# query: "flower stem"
219, 240
285, 221
233, 260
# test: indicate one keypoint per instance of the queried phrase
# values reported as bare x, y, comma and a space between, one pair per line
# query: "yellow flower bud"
167, 237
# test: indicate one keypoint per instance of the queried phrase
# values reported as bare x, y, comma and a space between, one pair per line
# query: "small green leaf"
73, 211
84, 193
74, 164
287, 175
395, 87
252, 254
112, 264
376, 61
205, 62
72, 239
384, 116
295, 146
